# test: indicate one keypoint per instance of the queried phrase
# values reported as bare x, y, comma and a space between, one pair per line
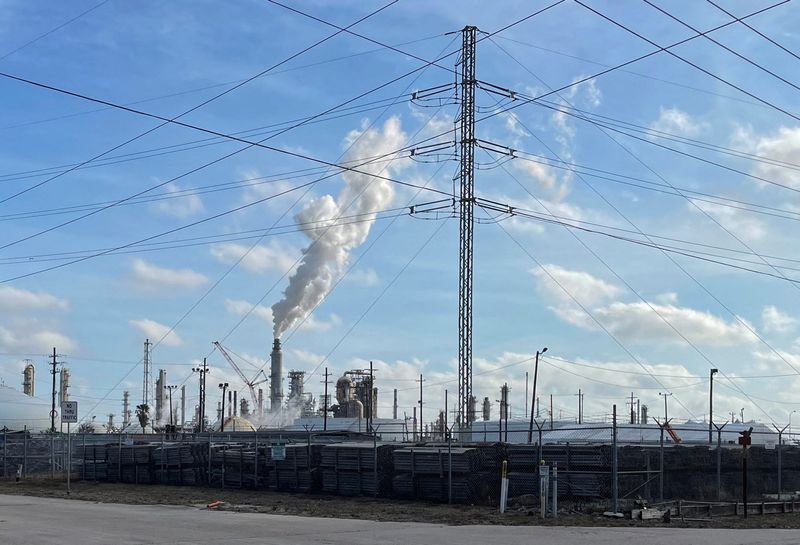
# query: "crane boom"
250, 383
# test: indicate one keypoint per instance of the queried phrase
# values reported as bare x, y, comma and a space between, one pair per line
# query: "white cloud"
776, 321
678, 122
319, 326
155, 331
637, 322
784, 145
150, 277
273, 256
33, 337
240, 307
14, 300
583, 286
179, 207
742, 224
364, 277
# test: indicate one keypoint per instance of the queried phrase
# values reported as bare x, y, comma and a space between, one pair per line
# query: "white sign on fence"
278, 452
69, 412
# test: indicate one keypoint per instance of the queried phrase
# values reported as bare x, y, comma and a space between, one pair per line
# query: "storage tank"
18, 411
29, 379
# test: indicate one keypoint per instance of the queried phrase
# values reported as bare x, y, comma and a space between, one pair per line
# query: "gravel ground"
378, 509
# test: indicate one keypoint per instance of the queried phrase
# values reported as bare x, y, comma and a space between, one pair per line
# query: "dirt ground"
378, 509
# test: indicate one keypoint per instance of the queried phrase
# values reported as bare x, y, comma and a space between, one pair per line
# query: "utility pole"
370, 397
170, 388
421, 421
394, 405
466, 225
526, 394
533, 396
224, 387
325, 403
666, 395
54, 362
632, 403
551, 411
711, 405
445, 412
202, 371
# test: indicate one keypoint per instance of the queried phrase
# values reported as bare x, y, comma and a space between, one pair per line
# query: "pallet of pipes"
95, 463
435, 472
298, 471
181, 463
582, 469
357, 469
233, 465
135, 461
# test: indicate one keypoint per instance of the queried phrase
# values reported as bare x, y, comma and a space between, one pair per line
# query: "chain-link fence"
581, 467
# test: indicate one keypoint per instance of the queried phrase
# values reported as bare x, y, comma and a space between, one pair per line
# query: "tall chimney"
275, 377
28, 379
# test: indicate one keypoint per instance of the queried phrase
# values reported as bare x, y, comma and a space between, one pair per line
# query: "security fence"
583, 467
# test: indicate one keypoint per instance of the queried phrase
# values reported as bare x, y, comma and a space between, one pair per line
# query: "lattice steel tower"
466, 209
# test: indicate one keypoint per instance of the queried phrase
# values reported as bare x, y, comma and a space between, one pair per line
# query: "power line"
634, 60
694, 65
165, 121
723, 46
215, 85
586, 311
770, 40
633, 73
53, 30
201, 143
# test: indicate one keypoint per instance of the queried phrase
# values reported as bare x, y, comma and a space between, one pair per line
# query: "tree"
143, 415
86, 427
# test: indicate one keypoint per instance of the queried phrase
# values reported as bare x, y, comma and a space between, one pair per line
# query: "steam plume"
322, 263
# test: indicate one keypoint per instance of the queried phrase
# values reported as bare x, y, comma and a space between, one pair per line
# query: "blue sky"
670, 318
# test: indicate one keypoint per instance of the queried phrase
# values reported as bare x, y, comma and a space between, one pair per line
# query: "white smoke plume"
324, 262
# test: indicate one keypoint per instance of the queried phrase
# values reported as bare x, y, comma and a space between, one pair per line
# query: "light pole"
790, 420
666, 395
533, 396
202, 371
171, 387
224, 387
711, 405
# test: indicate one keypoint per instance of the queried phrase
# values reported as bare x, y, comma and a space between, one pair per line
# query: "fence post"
375, 461
719, 465
661, 464
450, 468
614, 471
555, 490
5, 447
83, 459
25, 452
255, 464
780, 484
209, 458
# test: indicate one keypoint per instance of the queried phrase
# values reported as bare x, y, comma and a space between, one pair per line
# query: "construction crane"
251, 383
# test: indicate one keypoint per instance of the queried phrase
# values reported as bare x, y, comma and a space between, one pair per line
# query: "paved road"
44, 521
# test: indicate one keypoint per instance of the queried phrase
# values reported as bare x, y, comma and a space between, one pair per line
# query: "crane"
251, 383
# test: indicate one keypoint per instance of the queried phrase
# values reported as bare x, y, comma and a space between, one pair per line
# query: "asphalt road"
26, 520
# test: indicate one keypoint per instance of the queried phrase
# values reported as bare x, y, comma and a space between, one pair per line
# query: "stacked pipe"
355, 469
436, 473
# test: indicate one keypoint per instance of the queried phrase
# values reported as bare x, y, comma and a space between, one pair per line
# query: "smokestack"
183, 405
28, 379
235, 401
63, 391
260, 403
275, 377
126, 411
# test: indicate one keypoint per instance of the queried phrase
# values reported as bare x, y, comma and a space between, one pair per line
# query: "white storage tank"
18, 410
